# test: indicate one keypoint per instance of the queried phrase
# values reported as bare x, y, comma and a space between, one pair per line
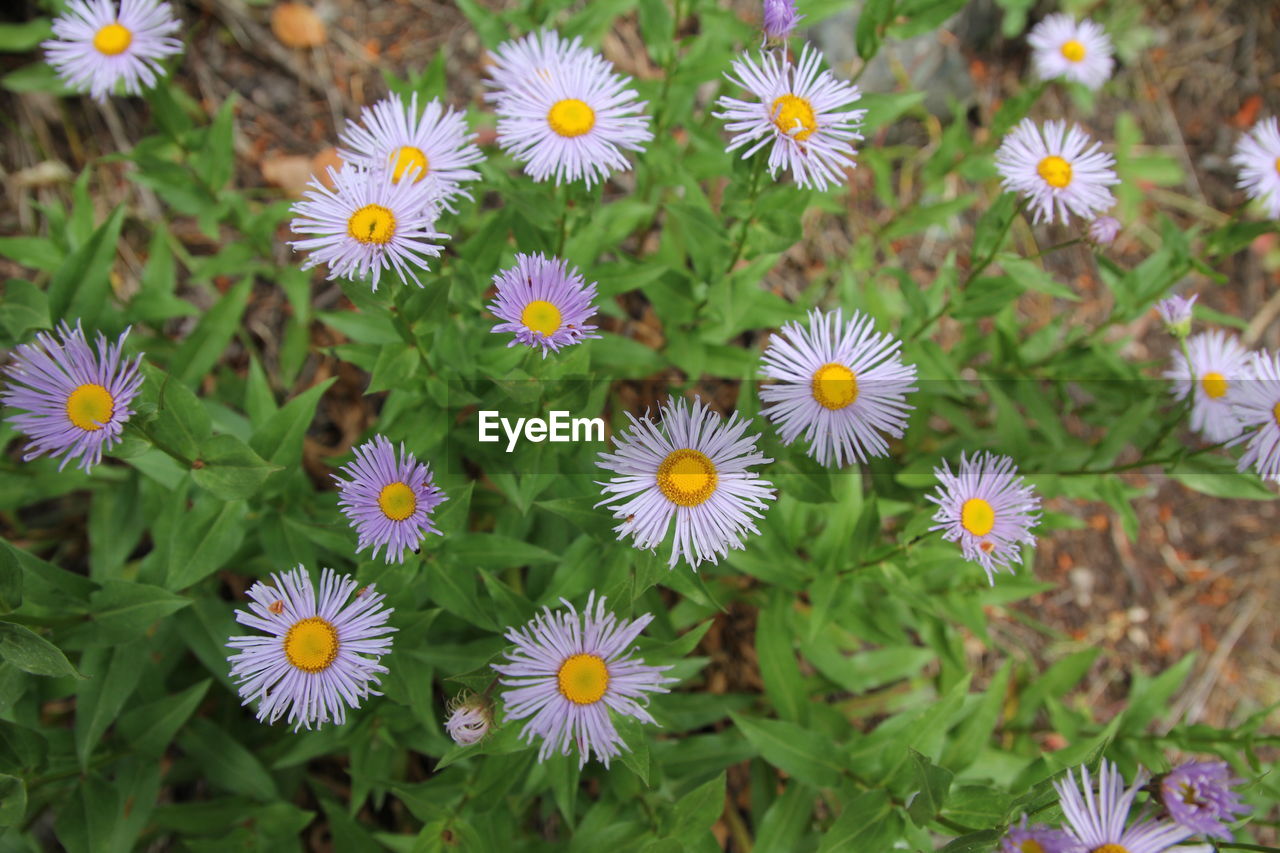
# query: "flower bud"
1176, 313
469, 721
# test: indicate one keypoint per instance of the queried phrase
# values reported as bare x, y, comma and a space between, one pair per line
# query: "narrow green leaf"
802, 753
80, 287
229, 468
123, 610
32, 653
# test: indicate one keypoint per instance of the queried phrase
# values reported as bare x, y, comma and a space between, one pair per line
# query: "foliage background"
829, 675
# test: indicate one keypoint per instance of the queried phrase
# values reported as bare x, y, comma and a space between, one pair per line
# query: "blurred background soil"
1204, 573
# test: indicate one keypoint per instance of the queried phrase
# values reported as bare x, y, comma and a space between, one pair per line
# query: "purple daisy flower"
780, 19
1038, 839
1257, 156
988, 508
1218, 363
97, 46
1198, 796
369, 223
573, 122
840, 384
1175, 311
434, 143
1256, 403
1058, 170
540, 54
389, 501
76, 403
544, 302
321, 656
568, 670
695, 468
1098, 820
798, 108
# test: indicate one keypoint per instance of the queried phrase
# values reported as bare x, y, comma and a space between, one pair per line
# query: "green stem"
974, 272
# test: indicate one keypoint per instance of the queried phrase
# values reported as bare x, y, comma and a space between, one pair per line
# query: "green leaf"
777, 659
279, 439
32, 653
977, 806
993, 226
10, 578
80, 287
112, 675
975, 842
19, 38
150, 728
1217, 476
123, 610
229, 468
868, 822
206, 541
785, 821
225, 763
931, 785
697, 810
966, 744
181, 423
875, 16
200, 352
13, 800
494, 551
1149, 697
802, 753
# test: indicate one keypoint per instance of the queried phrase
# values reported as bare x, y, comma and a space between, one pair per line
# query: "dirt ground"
1204, 572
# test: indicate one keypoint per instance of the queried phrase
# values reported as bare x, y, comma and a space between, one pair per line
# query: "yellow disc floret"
834, 386
1055, 171
407, 158
977, 516
311, 644
583, 679
794, 116
372, 223
1110, 848
542, 317
1030, 845
1073, 51
687, 477
113, 39
397, 501
90, 406
1214, 384
571, 117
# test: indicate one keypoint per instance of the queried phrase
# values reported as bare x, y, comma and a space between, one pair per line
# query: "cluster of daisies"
837, 384
1195, 798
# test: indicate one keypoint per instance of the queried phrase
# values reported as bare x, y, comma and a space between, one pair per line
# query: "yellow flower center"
1189, 795
1055, 171
1214, 384
311, 644
372, 223
1110, 848
687, 477
1073, 51
1275, 413
407, 157
977, 516
583, 679
541, 316
397, 501
1030, 846
1278, 165
571, 117
794, 116
113, 39
90, 406
834, 386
